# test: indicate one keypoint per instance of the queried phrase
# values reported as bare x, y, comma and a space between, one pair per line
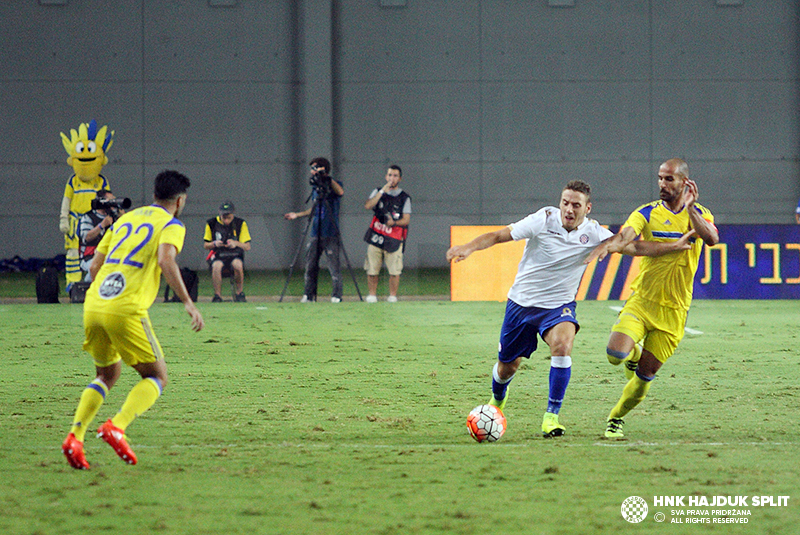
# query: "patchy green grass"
350, 418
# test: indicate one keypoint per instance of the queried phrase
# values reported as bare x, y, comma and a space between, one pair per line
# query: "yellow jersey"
669, 279
128, 281
81, 193
242, 234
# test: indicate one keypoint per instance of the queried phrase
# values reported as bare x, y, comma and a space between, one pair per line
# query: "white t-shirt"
552, 265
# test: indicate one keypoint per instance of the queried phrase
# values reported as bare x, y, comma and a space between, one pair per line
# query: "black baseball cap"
227, 207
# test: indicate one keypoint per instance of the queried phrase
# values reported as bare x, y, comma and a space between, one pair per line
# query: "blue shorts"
521, 324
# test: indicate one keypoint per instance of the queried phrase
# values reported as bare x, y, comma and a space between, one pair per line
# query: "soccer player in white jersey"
542, 298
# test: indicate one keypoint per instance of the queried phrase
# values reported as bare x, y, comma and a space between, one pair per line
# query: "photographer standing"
93, 225
387, 233
227, 238
324, 232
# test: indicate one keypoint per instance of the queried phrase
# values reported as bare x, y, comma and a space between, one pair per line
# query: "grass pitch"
350, 418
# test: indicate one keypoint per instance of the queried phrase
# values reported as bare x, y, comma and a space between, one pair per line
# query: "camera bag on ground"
77, 292
47, 286
191, 280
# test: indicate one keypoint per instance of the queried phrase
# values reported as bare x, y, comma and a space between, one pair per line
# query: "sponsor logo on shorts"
112, 285
566, 312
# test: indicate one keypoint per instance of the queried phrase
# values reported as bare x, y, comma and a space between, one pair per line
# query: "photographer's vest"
224, 233
388, 238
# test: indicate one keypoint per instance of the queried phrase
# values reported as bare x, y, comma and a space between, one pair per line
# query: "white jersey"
552, 265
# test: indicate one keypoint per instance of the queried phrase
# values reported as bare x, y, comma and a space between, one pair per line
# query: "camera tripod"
316, 215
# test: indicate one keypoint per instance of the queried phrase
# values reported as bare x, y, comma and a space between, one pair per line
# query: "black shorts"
226, 260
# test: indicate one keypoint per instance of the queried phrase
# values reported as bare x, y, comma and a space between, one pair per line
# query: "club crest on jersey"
584, 239
112, 285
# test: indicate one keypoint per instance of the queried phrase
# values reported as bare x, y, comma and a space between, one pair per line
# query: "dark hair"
581, 187
396, 168
321, 162
170, 184
101, 194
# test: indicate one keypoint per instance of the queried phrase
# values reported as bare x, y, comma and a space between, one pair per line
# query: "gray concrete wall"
489, 106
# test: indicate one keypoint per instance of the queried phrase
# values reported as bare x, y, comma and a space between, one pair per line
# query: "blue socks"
499, 386
560, 371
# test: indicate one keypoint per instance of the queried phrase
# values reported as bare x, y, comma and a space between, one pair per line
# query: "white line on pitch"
465, 444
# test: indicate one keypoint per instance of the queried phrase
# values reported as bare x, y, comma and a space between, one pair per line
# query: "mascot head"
87, 149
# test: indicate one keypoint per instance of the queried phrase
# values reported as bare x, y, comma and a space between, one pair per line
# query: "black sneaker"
216, 299
240, 298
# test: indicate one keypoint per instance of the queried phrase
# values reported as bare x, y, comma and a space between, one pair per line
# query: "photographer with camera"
227, 238
326, 195
93, 225
386, 235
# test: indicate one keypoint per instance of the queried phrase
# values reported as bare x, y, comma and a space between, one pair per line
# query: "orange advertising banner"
487, 275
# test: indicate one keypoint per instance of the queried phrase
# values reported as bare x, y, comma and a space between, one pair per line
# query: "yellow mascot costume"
87, 155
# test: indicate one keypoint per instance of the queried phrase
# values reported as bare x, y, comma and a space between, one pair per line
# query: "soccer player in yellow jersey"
651, 324
126, 273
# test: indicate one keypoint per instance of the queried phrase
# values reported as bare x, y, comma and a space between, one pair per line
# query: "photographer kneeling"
227, 238
93, 225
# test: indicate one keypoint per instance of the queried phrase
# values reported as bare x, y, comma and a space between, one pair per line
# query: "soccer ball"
486, 423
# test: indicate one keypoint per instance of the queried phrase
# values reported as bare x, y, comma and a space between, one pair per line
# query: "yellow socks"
141, 397
633, 394
91, 400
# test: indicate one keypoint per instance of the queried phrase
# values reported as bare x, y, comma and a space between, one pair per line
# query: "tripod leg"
349, 267
346, 259
296, 256
344, 251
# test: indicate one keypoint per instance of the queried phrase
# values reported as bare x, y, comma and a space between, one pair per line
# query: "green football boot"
614, 428
550, 426
500, 404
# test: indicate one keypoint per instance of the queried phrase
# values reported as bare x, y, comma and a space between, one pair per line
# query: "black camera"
320, 180
382, 214
112, 206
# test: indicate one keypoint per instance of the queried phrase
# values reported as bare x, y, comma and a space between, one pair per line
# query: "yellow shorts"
110, 338
377, 256
660, 327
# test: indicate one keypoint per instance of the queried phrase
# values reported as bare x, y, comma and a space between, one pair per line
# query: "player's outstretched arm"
614, 244
652, 248
172, 274
457, 253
